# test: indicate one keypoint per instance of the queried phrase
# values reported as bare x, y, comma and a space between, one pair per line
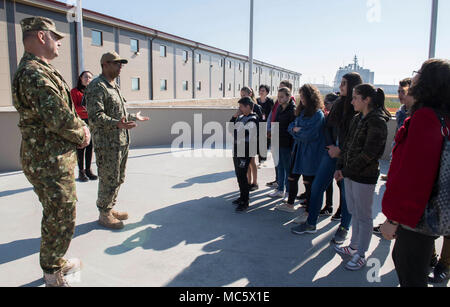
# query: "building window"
163, 85
199, 86
97, 38
229, 87
240, 67
198, 57
221, 86
229, 64
185, 86
135, 84
163, 51
185, 56
134, 43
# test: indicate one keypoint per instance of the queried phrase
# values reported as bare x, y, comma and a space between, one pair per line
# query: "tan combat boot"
109, 221
56, 280
72, 266
122, 216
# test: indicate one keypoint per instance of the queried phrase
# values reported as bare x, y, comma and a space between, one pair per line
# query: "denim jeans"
284, 167
324, 177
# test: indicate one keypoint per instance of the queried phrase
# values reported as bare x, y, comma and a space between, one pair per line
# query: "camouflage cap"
112, 57
40, 24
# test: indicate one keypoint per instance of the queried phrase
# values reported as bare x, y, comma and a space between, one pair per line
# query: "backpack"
436, 218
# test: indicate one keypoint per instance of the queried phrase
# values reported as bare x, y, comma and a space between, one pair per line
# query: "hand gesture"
141, 118
123, 124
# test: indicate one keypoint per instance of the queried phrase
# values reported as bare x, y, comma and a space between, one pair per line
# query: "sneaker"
434, 261
302, 218
273, 184
356, 263
441, 274
340, 236
337, 217
345, 250
55, 280
302, 198
304, 228
285, 208
253, 187
242, 207
326, 212
277, 194
377, 230
237, 201
72, 266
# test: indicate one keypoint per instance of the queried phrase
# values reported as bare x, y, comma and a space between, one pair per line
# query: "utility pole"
79, 22
250, 73
434, 17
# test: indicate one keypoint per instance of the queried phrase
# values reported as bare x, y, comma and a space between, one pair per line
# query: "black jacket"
266, 107
365, 144
250, 136
285, 118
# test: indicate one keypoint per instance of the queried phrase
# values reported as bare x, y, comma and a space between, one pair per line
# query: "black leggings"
293, 188
85, 153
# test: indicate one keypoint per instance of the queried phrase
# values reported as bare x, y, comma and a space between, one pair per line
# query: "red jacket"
77, 97
414, 168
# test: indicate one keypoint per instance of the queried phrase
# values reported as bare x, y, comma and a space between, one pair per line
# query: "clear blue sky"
311, 37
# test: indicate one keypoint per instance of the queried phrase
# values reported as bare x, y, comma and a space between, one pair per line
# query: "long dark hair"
377, 97
432, 89
342, 111
313, 101
80, 85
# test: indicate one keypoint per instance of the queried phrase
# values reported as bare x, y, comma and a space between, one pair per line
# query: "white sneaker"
285, 208
356, 263
302, 218
277, 194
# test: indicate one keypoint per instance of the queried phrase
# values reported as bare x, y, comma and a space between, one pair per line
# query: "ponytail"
377, 97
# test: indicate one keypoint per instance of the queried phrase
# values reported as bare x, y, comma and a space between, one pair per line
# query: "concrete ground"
183, 231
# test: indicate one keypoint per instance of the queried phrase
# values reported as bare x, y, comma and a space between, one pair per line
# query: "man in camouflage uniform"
51, 132
110, 124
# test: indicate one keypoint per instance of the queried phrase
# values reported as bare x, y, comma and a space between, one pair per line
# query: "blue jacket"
309, 143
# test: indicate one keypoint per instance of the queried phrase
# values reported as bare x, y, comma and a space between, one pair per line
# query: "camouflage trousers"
111, 164
58, 199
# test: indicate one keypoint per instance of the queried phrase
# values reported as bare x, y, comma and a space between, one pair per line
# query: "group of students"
343, 138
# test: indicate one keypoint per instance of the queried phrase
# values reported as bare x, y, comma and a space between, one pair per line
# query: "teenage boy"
245, 135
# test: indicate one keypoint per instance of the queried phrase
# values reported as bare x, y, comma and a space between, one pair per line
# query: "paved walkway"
183, 231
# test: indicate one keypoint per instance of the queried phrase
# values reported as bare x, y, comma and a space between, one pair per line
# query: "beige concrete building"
161, 66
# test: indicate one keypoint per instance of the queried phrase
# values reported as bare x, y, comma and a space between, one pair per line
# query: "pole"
79, 21
250, 73
434, 17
